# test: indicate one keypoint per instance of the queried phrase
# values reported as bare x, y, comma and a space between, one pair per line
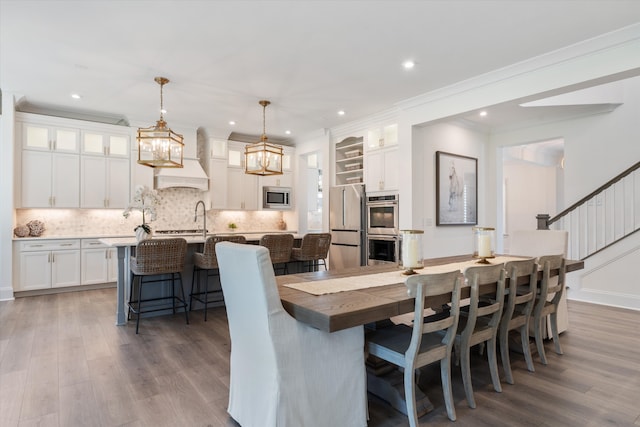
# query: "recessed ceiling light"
341, 113
76, 96
409, 64
231, 122
483, 113
288, 132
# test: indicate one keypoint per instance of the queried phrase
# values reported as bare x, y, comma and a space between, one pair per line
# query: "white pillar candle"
484, 246
410, 252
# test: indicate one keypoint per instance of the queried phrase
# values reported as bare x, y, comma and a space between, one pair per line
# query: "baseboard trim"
611, 299
6, 293
50, 291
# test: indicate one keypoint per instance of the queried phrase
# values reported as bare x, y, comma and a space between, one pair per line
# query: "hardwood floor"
63, 362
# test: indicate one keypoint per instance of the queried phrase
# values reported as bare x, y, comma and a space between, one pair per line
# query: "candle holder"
411, 250
483, 241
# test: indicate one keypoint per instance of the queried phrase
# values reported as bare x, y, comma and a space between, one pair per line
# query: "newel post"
543, 221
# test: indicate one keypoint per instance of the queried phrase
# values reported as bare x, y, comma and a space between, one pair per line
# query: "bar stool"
280, 246
155, 257
313, 250
208, 262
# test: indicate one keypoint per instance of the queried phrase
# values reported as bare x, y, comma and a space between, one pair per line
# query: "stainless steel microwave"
277, 198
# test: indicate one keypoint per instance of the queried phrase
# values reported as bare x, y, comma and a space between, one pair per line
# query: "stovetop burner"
193, 231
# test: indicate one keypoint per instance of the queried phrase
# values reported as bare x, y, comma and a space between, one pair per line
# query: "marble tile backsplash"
176, 211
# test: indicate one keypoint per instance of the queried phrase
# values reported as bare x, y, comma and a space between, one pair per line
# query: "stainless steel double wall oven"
383, 234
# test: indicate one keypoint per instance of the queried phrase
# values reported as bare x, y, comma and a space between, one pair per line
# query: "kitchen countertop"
190, 238
250, 235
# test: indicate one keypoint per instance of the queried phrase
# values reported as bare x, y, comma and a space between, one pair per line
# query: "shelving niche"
350, 161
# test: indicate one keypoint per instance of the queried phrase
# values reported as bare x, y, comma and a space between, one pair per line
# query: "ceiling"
309, 58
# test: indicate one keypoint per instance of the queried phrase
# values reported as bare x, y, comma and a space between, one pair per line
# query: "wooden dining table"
335, 311
370, 306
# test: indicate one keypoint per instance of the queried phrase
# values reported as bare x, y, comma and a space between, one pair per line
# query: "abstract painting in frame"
456, 189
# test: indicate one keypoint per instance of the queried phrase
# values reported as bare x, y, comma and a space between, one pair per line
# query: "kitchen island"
125, 248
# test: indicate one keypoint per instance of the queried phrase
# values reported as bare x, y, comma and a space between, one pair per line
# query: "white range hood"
191, 175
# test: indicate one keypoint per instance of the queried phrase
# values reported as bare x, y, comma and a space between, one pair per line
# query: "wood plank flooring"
63, 362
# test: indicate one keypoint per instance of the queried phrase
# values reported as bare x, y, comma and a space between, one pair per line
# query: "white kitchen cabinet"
287, 158
112, 264
284, 180
381, 171
104, 169
49, 264
45, 136
235, 154
242, 190
107, 144
50, 180
218, 148
57, 152
383, 136
99, 262
140, 175
218, 183
104, 183
231, 188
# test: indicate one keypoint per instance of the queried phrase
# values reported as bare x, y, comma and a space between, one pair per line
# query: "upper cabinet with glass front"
218, 148
58, 153
105, 144
45, 137
382, 136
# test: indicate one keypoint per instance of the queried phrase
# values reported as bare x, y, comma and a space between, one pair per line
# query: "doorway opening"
533, 183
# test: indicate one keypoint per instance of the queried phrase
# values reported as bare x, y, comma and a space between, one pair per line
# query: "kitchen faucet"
204, 218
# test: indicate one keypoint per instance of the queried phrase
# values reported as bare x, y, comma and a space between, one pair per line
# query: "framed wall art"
456, 189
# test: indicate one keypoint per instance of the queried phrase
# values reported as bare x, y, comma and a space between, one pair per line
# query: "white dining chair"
285, 372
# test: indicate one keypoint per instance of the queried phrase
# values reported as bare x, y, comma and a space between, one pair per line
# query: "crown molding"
583, 49
362, 125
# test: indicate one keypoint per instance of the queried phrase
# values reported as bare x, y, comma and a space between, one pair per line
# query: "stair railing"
603, 217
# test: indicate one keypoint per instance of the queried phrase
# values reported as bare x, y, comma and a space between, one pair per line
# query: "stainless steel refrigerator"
347, 222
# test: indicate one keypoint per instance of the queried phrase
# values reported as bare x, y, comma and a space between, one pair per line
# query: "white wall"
609, 277
530, 189
610, 57
597, 148
320, 143
6, 195
451, 239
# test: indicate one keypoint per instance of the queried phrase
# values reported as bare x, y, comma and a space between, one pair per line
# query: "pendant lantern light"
263, 158
159, 146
